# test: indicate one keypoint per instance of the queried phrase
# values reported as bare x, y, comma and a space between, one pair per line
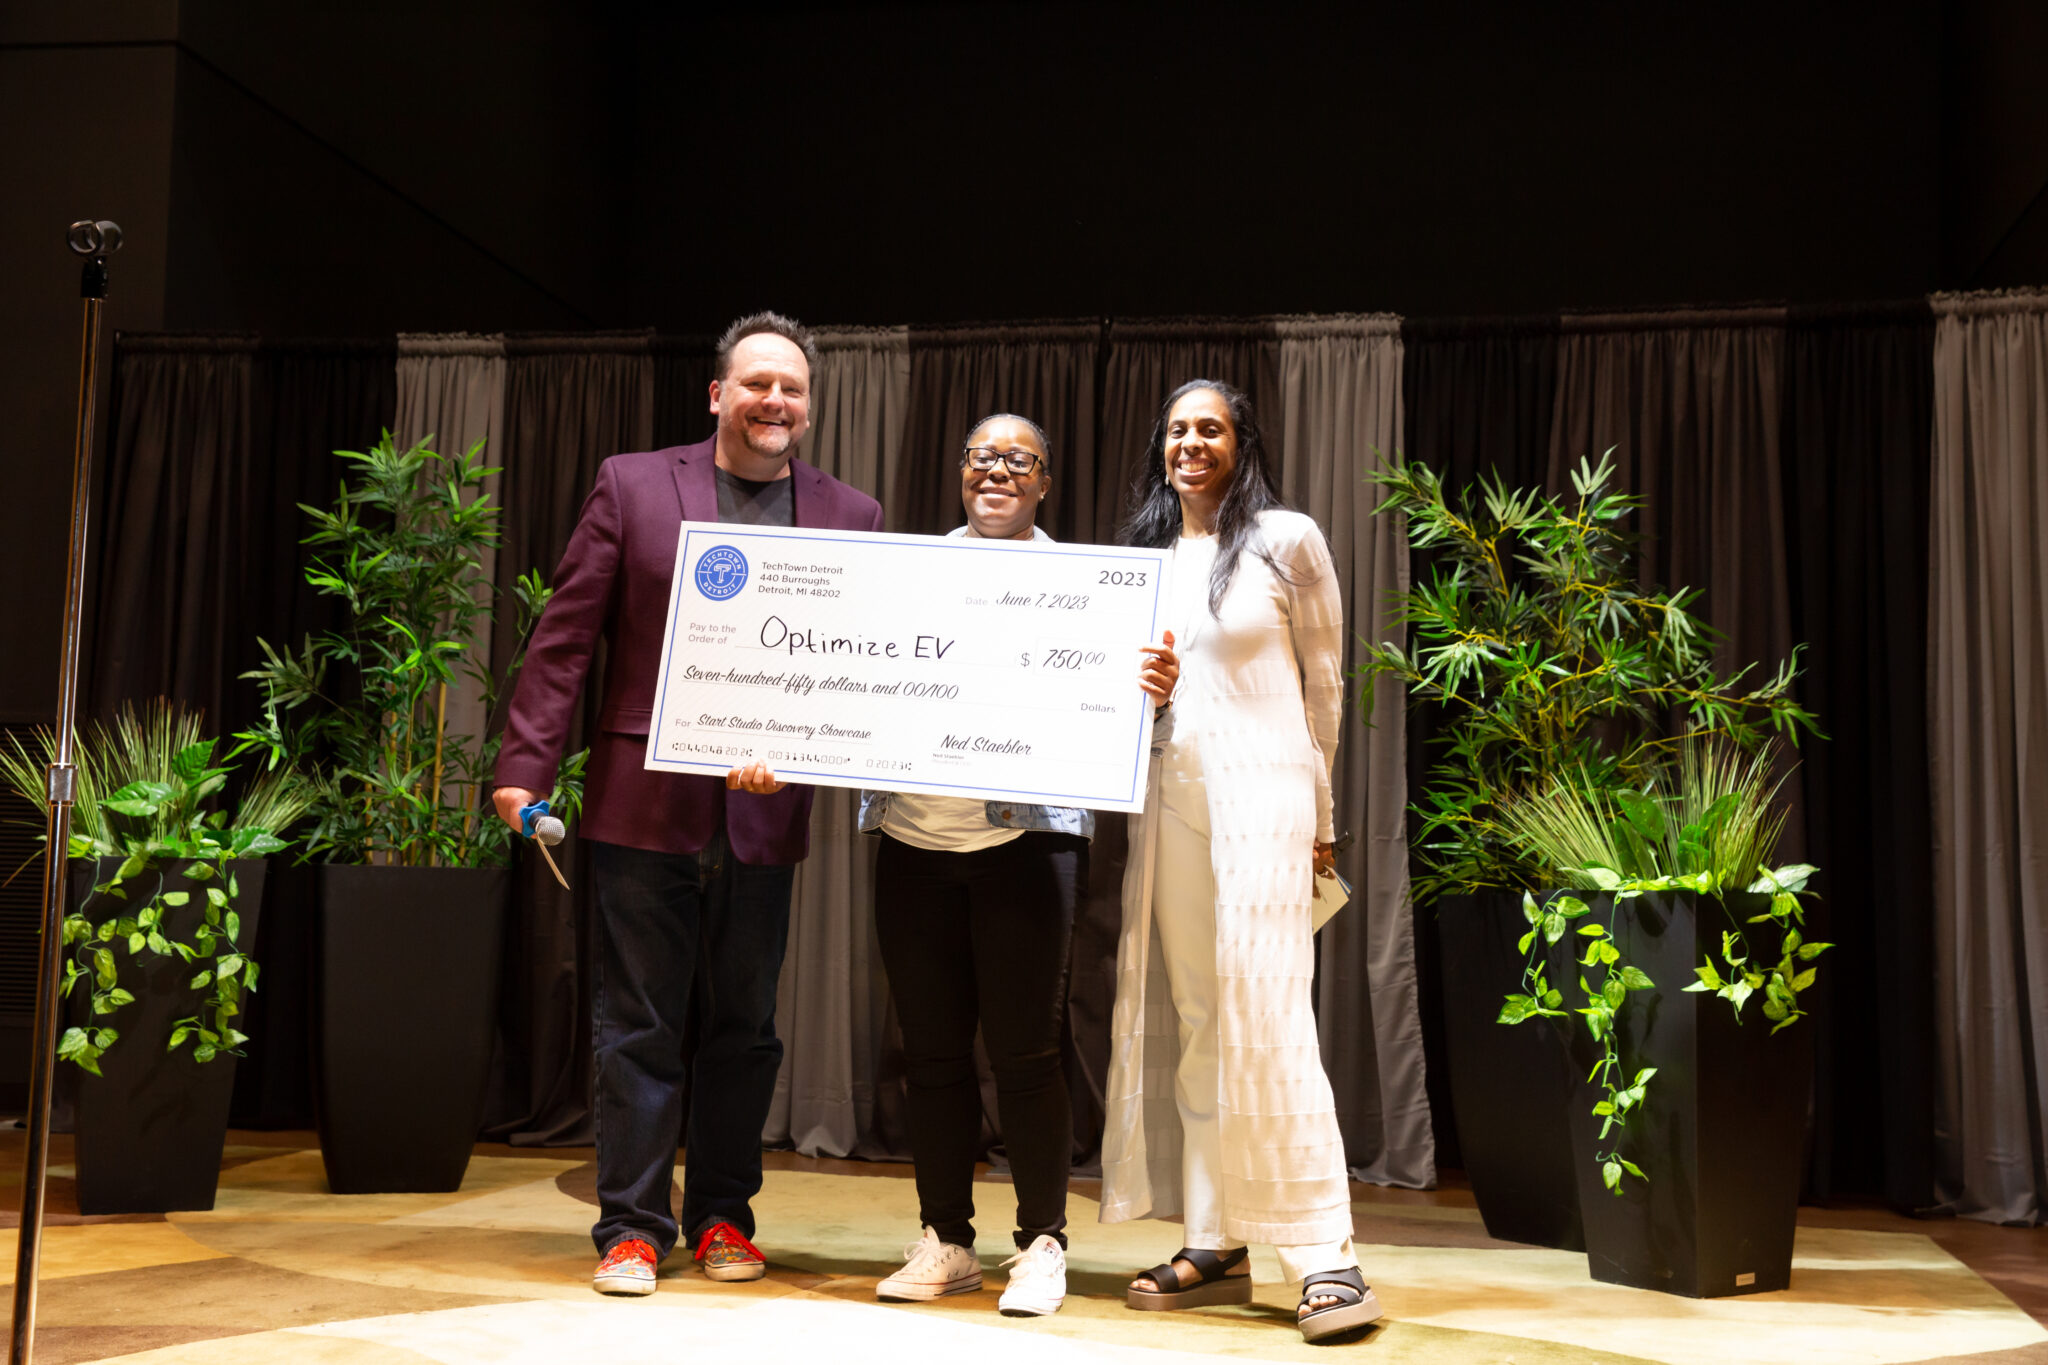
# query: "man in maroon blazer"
692, 873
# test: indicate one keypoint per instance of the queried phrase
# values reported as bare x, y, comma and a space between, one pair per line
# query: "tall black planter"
408, 1000
1511, 1086
151, 1126
1721, 1133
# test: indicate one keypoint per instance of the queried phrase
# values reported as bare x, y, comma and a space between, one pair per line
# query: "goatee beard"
787, 449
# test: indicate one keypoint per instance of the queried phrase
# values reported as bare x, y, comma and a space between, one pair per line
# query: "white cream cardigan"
1261, 691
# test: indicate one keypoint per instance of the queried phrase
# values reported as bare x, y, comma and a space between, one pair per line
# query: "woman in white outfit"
1218, 1106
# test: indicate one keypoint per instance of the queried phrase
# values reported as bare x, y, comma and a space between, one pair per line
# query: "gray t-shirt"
748, 503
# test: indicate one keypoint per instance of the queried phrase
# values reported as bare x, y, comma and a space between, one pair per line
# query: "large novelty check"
997, 669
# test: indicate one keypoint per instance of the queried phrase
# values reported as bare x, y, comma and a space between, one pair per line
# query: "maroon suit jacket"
613, 583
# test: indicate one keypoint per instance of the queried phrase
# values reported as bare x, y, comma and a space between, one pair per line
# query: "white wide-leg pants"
1184, 912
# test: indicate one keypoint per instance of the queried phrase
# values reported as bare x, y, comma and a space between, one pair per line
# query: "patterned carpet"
282, 1271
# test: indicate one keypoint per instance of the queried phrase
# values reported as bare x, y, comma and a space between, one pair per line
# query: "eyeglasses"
984, 458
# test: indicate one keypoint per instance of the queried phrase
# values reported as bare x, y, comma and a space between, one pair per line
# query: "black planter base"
408, 1005
151, 1126
1511, 1086
1722, 1132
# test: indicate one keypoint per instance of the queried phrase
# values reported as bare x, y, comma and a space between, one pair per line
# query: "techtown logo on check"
721, 572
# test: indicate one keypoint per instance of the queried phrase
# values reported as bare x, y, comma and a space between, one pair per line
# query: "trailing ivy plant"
1549, 659
142, 798
1714, 834
364, 708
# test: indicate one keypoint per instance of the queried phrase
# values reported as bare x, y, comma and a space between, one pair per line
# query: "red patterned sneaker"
628, 1268
726, 1254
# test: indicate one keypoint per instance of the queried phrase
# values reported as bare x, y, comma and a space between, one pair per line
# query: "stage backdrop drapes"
570, 403
1822, 550
1477, 397
1782, 458
213, 443
1987, 650
451, 394
1336, 410
1859, 393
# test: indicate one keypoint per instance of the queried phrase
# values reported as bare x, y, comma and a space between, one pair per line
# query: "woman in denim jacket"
974, 912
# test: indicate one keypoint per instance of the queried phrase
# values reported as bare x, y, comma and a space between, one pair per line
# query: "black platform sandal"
1214, 1284
1356, 1304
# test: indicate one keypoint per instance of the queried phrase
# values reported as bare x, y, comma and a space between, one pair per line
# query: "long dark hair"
1152, 516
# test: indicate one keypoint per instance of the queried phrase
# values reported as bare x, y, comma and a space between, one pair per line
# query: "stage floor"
282, 1271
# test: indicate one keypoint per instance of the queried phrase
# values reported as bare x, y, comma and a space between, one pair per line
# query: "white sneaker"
932, 1269
1038, 1285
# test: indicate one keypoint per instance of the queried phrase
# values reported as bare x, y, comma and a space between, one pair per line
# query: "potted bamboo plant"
414, 887
164, 894
1545, 658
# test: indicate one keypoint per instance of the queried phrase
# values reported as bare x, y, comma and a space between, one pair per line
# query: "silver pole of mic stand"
95, 241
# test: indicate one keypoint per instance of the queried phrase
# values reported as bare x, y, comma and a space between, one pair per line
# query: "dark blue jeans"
668, 924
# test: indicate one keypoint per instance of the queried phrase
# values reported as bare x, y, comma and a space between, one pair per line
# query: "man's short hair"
754, 324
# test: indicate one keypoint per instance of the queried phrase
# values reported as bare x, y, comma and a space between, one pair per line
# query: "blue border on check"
727, 533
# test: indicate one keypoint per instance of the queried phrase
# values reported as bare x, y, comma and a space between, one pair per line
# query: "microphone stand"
95, 241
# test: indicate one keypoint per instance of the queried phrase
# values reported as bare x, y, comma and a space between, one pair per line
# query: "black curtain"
214, 443
682, 387
1477, 398
1858, 434
570, 404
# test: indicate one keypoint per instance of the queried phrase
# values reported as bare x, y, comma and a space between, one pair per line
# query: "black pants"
669, 924
983, 937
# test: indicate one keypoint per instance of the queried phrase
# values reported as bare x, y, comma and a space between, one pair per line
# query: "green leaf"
103, 968
1516, 1009
1809, 951
120, 997
1603, 1108
1803, 980
1636, 979
205, 1052
1529, 910
216, 896
234, 926
1571, 907
1614, 992
1522, 947
1794, 878
1611, 1173
1633, 1169
1593, 930
136, 942
178, 1036
1645, 813
1553, 927
202, 981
